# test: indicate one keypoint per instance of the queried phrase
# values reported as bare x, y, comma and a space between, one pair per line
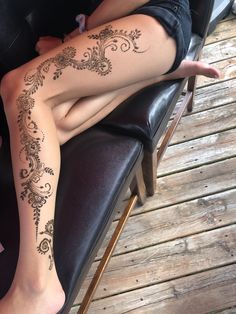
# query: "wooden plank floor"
177, 254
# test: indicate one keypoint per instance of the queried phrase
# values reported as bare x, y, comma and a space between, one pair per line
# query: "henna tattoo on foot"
31, 137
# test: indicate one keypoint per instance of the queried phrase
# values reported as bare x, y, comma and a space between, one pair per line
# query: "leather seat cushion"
97, 168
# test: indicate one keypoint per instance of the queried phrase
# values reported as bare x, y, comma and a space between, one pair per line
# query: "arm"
110, 10
107, 11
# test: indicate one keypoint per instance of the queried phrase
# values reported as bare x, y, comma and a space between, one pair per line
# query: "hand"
73, 34
47, 43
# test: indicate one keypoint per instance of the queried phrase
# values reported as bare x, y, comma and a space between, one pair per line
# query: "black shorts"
175, 17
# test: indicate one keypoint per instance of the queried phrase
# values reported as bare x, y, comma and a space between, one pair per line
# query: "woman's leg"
89, 110
103, 60
36, 163
130, 50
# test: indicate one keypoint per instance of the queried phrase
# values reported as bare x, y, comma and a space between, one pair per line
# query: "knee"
11, 86
6, 87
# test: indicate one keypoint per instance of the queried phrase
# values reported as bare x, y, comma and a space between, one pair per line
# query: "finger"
38, 49
45, 37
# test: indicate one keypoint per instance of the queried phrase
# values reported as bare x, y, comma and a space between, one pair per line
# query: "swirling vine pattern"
45, 245
31, 137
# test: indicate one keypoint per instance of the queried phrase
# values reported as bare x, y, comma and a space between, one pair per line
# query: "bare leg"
100, 61
36, 166
95, 63
88, 111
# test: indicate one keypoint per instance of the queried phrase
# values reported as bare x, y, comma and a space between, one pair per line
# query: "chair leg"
192, 83
151, 161
171, 129
150, 171
107, 256
138, 186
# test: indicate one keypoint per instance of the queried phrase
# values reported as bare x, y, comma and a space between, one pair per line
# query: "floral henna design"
45, 245
95, 58
31, 137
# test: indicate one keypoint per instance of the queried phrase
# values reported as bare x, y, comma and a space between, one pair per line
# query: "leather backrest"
201, 11
22, 22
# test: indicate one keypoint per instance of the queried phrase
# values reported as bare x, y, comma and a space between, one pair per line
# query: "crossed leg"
88, 111
47, 101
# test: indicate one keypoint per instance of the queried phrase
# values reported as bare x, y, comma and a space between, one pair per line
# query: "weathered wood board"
225, 30
167, 261
201, 293
166, 224
205, 123
221, 50
194, 153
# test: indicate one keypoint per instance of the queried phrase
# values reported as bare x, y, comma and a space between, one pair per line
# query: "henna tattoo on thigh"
31, 137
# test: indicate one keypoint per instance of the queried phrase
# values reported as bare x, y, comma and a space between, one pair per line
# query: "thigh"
175, 17
107, 58
87, 111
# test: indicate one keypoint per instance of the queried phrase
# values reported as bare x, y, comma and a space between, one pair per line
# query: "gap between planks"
196, 294
175, 259
163, 225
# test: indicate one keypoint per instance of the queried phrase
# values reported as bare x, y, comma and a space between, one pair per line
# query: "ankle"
37, 282
26, 297
30, 287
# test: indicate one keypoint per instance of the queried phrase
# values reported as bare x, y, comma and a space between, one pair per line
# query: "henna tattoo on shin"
31, 137
46, 245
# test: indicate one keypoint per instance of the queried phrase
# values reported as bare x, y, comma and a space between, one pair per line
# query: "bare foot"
23, 298
189, 68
